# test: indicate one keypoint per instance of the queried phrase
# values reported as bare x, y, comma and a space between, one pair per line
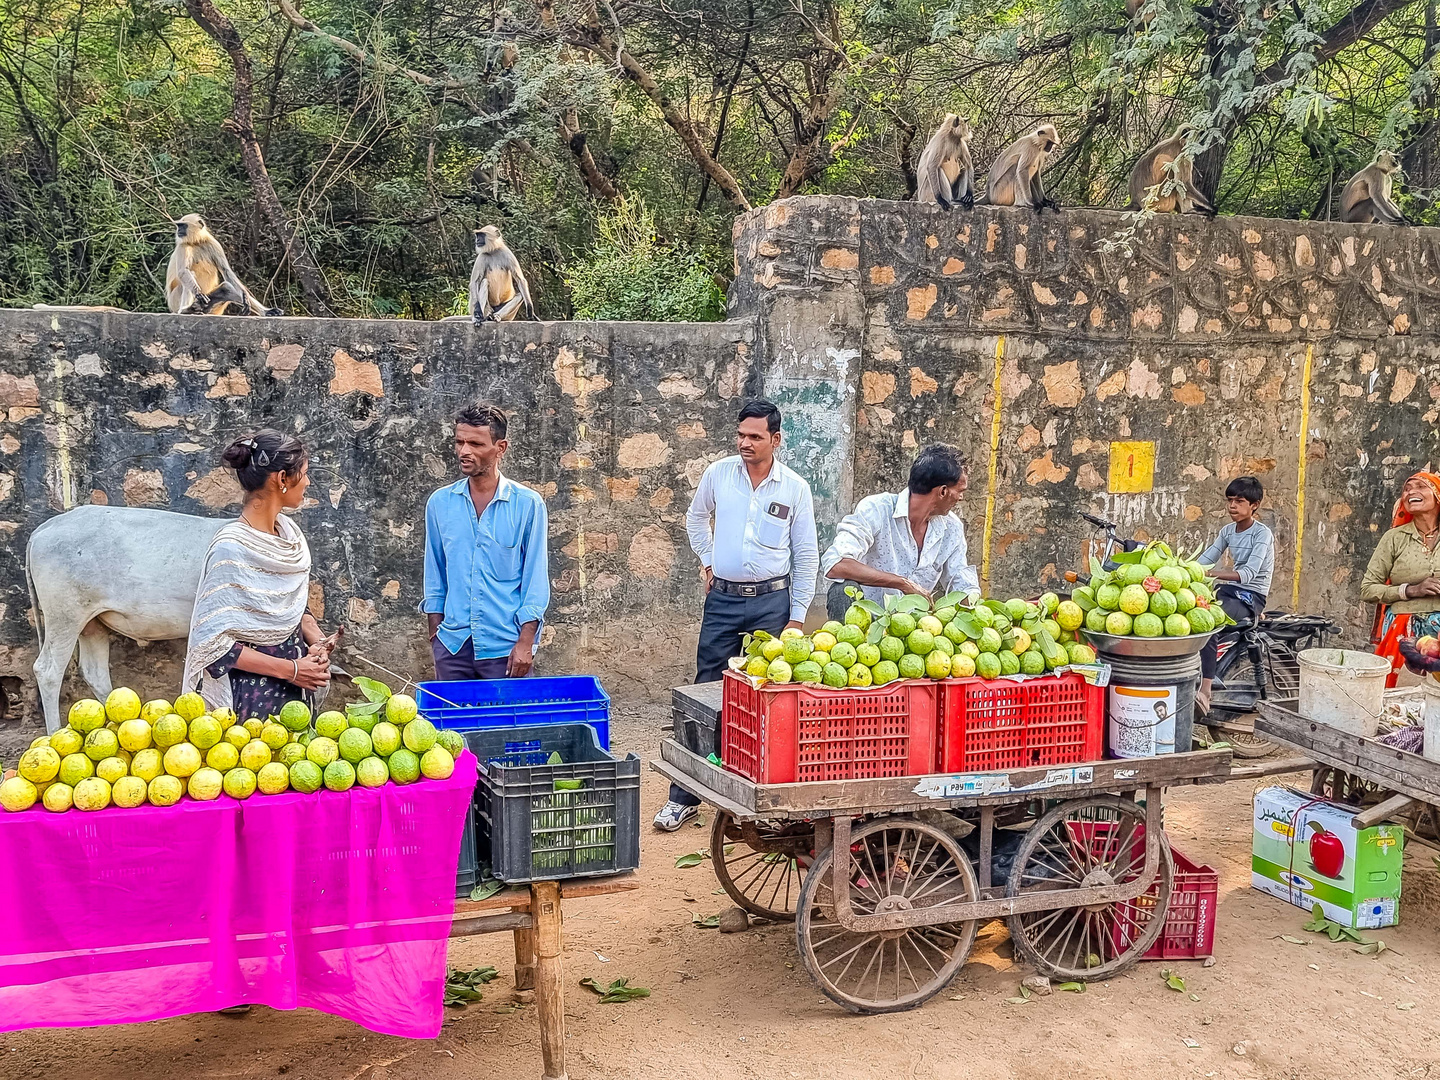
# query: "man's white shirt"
758, 533
878, 535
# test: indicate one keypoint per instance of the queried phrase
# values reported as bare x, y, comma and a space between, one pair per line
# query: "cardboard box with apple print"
1309, 853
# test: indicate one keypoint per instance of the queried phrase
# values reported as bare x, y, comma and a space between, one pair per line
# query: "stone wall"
1056, 359
613, 423
1210, 340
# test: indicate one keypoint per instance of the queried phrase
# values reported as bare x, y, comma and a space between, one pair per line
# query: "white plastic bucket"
1343, 688
1431, 750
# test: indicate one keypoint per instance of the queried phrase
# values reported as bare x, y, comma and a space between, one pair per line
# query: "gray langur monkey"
497, 285
1015, 176
199, 281
1133, 10
946, 175
1367, 197
1165, 161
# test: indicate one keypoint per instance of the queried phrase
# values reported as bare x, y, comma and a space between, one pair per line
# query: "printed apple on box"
1307, 853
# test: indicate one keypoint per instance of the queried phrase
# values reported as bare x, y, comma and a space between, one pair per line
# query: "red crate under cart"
994, 724
780, 734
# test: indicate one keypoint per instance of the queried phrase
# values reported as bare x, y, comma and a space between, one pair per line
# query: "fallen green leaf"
1371, 948
617, 993
1405, 1006
693, 858
1293, 940
1016, 1001
1173, 981
1071, 987
460, 986
707, 922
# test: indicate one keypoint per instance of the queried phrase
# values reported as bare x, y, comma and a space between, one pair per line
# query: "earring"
283, 489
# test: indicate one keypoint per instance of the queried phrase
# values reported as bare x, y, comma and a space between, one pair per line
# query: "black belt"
751, 588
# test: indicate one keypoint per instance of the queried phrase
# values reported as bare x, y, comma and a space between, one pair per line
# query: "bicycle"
1254, 660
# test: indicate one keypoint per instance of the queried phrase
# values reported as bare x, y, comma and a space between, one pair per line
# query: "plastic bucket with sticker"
1343, 688
1151, 704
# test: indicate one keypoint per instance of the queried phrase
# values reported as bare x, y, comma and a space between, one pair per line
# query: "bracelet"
1404, 592
296, 678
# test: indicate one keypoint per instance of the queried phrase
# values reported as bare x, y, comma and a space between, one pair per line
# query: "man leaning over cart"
757, 559
908, 541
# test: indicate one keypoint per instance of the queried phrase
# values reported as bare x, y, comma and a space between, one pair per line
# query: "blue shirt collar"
502, 490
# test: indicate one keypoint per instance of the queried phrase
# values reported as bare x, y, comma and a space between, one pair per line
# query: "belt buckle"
749, 590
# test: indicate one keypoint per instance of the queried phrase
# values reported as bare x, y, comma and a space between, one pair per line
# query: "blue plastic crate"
478, 704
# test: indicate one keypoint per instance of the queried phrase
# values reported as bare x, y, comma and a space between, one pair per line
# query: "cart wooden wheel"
897, 864
762, 864
1097, 841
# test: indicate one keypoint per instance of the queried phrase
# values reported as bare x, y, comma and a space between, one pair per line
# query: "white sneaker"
673, 814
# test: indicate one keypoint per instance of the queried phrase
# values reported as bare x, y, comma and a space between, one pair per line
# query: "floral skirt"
262, 696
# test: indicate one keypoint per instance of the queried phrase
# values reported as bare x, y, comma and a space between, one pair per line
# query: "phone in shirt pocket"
773, 529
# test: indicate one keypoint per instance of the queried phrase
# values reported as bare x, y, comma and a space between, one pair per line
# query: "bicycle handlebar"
1098, 522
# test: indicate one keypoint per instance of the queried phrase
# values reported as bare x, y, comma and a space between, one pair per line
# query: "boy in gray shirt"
1244, 587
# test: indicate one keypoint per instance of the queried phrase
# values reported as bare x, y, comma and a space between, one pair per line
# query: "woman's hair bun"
256, 456
237, 454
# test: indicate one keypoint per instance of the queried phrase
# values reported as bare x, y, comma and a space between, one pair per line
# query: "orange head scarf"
1401, 514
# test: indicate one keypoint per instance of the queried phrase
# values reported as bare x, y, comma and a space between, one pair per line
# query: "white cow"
102, 568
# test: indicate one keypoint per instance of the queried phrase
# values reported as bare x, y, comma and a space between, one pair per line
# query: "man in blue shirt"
487, 567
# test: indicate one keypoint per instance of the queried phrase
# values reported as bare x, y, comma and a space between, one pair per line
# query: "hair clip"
251, 443
262, 459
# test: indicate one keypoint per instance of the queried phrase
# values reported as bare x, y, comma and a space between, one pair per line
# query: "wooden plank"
1389, 810
549, 979
1255, 770
578, 887
1397, 770
699, 790
490, 924
510, 898
705, 698
727, 786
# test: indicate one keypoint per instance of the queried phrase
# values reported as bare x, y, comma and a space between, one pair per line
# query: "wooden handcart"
888, 880
1384, 782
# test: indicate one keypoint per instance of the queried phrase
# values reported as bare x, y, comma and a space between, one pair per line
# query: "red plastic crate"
1189, 932
788, 733
989, 725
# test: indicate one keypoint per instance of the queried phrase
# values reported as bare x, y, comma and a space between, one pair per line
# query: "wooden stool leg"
525, 959
549, 994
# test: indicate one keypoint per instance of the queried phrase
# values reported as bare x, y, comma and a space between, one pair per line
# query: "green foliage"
630, 275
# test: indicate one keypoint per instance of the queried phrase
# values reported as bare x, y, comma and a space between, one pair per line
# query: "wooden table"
533, 913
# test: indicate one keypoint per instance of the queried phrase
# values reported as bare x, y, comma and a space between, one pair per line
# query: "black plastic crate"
528, 830
467, 872
695, 716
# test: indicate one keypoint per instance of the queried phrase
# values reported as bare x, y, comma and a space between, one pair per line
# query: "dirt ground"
740, 1006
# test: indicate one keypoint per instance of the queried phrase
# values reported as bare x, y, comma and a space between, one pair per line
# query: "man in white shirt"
758, 559
907, 542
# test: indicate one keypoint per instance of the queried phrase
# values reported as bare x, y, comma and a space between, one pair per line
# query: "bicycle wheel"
1235, 725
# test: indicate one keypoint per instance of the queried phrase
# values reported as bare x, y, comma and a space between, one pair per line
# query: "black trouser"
726, 621
1242, 605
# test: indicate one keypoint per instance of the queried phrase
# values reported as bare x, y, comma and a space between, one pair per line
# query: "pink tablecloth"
339, 902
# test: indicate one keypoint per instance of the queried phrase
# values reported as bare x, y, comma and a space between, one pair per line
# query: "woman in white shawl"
253, 644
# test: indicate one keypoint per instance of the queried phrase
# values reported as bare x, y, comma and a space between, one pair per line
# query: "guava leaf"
853, 591
694, 858
1127, 558
373, 691
950, 599
363, 708
617, 993
1097, 570
706, 922
1173, 981
1371, 948
890, 601
997, 606
869, 605
761, 635
877, 631
745, 643
967, 623
1071, 987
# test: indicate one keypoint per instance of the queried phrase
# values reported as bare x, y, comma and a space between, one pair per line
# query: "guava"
1132, 573
455, 742
885, 671
892, 648
962, 666
821, 658
168, 731
1148, 625
1184, 600
256, 755
372, 772
321, 751
1016, 609
823, 641
968, 648
400, 709
155, 708
100, 744
1108, 597
1022, 641
857, 616
122, 704
91, 794
255, 727
1118, 623
858, 675
39, 764
189, 706
833, 628
86, 715
58, 798
1201, 621
1176, 625
1155, 557
944, 645
1051, 627
237, 735
223, 756
1009, 662
1163, 603
779, 672
937, 665
946, 613
911, 666
182, 760
1048, 602
240, 783
295, 715
17, 794
920, 642
1032, 662
990, 640
74, 768
835, 674
330, 724
134, 735
290, 753
67, 741
1172, 578
807, 671
1201, 590
165, 790
756, 667
868, 654
111, 769
930, 624
147, 764
205, 732
1081, 653
1069, 615
339, 775
204, 785
418, 735
791, 632
274, 735
955, 632
843, 654
850, 635
404, 767
797, 650
982, 615
436, 764
988, 666
1134, 600
306, 776
272, 779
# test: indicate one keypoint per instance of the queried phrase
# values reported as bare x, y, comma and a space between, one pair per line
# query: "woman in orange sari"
1404, 572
